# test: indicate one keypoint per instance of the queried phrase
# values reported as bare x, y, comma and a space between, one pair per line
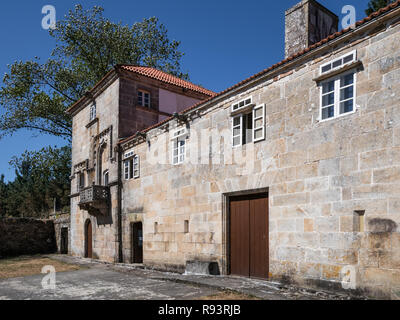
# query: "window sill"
92, 122
336, 72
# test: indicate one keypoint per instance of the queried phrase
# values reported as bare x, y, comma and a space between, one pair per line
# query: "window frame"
239, 102
260, 106
179, 135
137, 164
337, 101
129, 170
240, 126
354, 53
142, 103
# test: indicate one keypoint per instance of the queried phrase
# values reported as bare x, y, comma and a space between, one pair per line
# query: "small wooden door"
64, 241
89, 240
249, 254
137, 242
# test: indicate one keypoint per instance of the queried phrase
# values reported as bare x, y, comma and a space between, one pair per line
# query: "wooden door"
259, 256
249, 236
240, 239
64, 241
137, 242
89, 240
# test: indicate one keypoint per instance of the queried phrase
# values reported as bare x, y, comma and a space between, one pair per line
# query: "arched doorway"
137, 242
88, 239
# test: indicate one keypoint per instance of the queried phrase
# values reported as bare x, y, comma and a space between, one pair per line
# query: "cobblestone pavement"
102, 281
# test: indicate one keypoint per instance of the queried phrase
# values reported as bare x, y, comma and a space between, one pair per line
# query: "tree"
35, 95
3, 196
375, 5
41, 176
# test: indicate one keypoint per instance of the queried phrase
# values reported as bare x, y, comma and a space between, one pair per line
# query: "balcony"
95, 200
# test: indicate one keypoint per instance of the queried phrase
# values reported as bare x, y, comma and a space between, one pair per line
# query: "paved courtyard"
102, 281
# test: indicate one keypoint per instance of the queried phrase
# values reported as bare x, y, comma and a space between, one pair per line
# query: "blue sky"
224, 41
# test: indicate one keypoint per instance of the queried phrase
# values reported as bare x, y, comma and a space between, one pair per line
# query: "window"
144, 98
259, 123
179, 146
81, 181
131, 165
242, 104
106, 178
249, 127
338, 96
242, 131
338, 63
92, 112
136, 164
127, 169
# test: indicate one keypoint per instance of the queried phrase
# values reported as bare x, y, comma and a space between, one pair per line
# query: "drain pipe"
119, 211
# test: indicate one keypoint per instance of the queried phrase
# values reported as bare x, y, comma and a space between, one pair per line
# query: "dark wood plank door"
89, 240
249, 236
137, 242
259, 264
239, 236
64, 241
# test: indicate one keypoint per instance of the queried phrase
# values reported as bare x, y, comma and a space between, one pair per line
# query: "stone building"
292, 174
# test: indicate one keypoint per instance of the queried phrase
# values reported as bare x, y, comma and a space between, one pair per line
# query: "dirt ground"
28, 266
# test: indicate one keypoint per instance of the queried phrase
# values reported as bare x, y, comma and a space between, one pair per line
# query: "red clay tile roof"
279, 64
167, 78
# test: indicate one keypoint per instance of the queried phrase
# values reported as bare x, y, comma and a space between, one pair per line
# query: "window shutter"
237, 124
259, 123
136, 165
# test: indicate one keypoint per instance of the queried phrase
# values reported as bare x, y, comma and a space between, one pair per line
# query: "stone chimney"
307, 23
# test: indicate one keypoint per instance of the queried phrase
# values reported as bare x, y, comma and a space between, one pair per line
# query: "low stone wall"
21, 236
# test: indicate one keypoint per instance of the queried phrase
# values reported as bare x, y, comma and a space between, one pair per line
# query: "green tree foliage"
35, 95
41, 177
375, 5
3, 196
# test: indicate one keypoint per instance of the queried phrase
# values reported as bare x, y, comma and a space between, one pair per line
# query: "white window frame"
129, 154
136, 166
127, 169
262, 127
93, 112
240, 126
337, 101
143, 100
179, 135
354, 53
131, 165
237, 106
